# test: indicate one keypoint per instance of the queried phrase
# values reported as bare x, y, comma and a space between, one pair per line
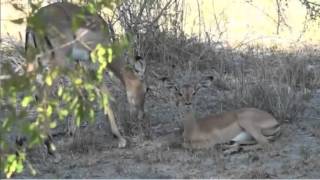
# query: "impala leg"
112, 120
114, 128
255, 132
72, 127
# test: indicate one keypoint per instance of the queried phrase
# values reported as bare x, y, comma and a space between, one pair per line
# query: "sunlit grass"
236, 21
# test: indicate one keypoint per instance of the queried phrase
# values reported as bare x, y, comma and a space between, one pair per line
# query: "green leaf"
91, 8
66, 97
92, 96
48, 80
6, 123
78, 121
109, 55
19, 167
91, 113
74, 102
43, 135
11, 158
35, 140
93, 56
53, 125
49, 111
78, 81
60, 91
105, 101
54, 73
63, 113
89, 86
32, 126
26, 101
11, 165
101, 52
40, 109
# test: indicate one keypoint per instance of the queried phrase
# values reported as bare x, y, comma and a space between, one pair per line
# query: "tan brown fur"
224, 127
57, 27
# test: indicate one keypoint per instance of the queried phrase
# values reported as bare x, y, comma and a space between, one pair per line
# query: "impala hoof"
122, 143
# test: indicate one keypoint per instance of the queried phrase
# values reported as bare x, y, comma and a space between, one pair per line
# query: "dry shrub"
299, 73
86, 140
279, 82
11, 52
283, 102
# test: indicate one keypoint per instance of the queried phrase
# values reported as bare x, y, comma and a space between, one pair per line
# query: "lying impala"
57, 40
240, 126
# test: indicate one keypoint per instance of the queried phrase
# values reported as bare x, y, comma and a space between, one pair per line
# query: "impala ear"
205, 82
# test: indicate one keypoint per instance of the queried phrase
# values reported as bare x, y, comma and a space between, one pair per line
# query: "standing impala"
60, 43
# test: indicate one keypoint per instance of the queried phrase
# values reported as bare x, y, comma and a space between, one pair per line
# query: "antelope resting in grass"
60, 45
241, 126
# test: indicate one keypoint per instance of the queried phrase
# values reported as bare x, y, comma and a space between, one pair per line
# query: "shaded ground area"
295, 155
93, 153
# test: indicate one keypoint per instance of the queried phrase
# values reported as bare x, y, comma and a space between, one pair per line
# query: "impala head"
186, 88
185, 81
35, 58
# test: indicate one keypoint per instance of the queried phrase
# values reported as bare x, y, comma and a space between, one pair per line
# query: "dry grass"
86, 140
281, 85
279, 81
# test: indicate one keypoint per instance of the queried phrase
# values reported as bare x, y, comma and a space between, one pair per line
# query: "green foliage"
78, 99
14, 163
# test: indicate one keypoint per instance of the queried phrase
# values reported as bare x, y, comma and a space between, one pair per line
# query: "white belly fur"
243, 136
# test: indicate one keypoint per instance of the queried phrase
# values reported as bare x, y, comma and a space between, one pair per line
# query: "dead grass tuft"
277, 82
85, 141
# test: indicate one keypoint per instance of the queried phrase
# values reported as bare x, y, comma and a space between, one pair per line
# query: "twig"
161, 12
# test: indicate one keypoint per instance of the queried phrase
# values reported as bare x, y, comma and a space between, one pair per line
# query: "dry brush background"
282, 81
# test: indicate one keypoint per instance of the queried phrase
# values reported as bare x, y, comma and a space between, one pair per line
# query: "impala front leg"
112, 120
114, 128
